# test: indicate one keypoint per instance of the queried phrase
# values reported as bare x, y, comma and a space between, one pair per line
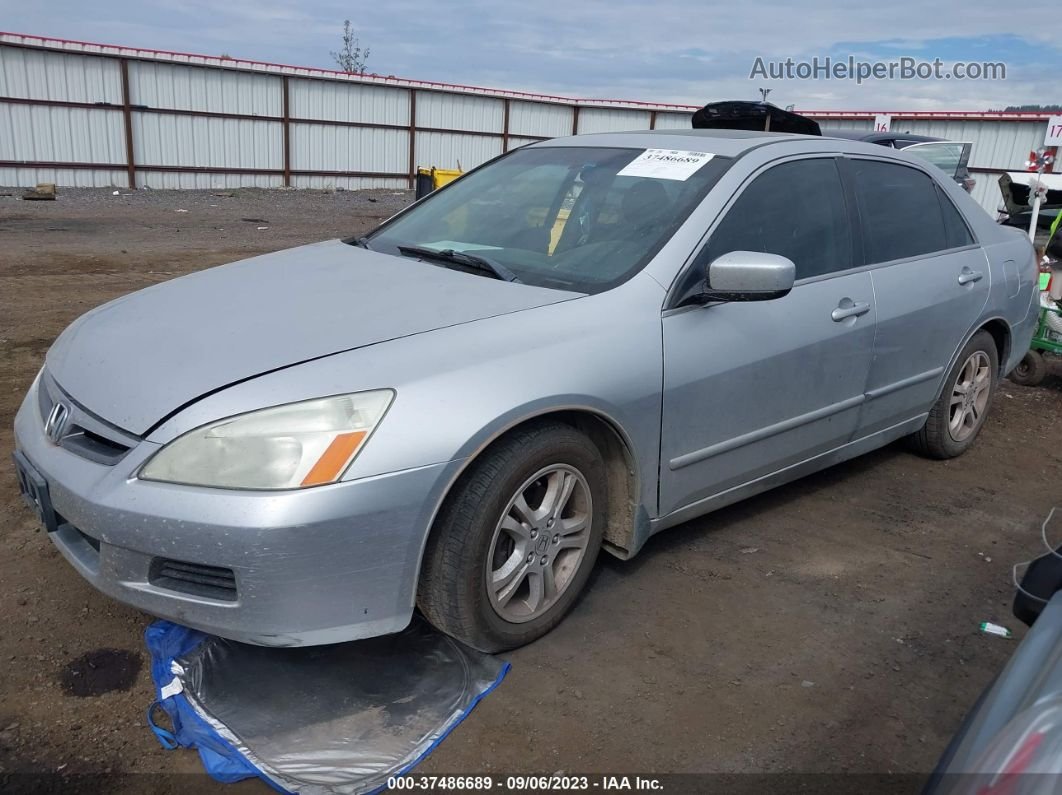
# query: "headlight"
286, 447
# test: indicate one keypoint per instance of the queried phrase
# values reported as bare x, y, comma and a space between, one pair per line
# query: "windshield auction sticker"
665, 164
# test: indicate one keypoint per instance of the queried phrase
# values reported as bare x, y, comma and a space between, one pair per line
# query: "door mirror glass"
749, 276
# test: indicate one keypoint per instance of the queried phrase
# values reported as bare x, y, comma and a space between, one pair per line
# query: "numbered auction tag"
665, 164
1054, 131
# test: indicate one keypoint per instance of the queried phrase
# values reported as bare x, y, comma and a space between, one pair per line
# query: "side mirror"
749, 276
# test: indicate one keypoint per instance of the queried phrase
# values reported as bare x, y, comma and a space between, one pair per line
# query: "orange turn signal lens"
334, 459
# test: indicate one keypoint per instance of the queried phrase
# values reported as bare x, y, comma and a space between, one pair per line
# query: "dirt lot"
830, 626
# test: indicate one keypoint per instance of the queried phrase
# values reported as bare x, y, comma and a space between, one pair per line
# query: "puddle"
100, 671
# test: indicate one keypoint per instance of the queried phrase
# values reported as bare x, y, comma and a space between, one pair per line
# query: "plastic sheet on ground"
323, 719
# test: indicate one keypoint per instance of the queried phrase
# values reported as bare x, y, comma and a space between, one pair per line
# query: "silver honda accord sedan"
575, 346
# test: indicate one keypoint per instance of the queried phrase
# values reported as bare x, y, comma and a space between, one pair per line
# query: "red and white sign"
1054, 132
882, 122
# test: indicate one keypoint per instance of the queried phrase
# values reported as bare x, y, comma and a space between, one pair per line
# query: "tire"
939, 437
469, 552
1030, 370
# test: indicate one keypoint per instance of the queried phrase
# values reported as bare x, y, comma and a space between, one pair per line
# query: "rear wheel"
516, 540
1030, 370
960, 411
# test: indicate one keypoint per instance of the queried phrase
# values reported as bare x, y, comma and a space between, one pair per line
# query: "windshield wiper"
362, 242
474, 261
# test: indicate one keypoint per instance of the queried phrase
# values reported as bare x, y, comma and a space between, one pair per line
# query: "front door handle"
966, 276
849, 308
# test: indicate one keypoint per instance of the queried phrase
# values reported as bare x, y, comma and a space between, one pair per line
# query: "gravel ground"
829, 626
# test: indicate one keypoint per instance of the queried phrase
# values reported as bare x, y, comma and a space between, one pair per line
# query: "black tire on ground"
1030, 370
935, 440
452, 591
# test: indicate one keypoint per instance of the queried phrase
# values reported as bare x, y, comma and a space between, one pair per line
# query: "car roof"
877, 137
725, 143
734, 143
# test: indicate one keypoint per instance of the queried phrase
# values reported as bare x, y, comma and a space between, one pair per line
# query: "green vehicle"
1048, 337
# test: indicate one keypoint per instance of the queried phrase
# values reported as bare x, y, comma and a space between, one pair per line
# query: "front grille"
84, 433
211, 582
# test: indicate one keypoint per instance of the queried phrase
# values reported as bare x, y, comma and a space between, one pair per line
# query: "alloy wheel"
969, 396
539, 543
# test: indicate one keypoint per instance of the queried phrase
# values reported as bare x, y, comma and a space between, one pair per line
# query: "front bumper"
320, 565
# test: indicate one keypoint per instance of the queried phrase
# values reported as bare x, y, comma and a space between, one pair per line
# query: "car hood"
138, 359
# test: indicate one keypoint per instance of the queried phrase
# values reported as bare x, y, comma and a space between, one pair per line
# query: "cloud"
670, 51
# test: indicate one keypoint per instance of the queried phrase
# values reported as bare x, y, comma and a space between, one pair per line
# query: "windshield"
574, 218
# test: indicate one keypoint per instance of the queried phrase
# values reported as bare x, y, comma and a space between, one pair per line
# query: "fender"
499, 426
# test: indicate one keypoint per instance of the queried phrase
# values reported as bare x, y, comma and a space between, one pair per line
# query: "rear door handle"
848, 308
967, 276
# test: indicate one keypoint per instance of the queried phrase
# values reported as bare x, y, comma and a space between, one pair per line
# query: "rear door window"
900, 211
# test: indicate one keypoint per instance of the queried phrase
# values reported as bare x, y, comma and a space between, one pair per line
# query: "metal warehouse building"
82, 114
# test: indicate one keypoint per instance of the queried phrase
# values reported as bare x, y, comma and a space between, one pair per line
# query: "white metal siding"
327, 147
157, 85
68, 177
167, 81
996, 144
171, 180
593, 120
853, 125
445, 150
344, 101
674, 121
165, 140
57, 134
541, 119
35, 74
986, 192
348, 183
515, 142
457, 112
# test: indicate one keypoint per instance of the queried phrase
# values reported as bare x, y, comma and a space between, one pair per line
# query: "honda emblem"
56, 422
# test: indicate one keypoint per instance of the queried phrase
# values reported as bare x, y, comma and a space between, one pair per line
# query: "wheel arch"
625, 513
1001, 334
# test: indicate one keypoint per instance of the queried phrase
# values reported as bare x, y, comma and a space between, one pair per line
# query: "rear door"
931, 282
751, 388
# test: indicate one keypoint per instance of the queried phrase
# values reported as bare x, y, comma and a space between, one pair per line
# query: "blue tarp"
341, 718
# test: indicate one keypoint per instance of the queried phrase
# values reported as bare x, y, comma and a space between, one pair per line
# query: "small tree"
351, 58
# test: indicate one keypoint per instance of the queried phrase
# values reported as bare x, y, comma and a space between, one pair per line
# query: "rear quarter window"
955, 229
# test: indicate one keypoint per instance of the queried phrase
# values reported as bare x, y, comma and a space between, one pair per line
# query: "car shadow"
751, 508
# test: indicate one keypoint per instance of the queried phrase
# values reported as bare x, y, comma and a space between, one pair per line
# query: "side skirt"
783, 476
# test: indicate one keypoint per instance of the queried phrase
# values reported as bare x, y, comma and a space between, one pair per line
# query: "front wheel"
516, 540
960, 411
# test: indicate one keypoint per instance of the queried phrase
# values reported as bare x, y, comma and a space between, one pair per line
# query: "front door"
752, 388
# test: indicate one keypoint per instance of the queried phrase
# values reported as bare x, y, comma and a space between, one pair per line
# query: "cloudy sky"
667, 51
